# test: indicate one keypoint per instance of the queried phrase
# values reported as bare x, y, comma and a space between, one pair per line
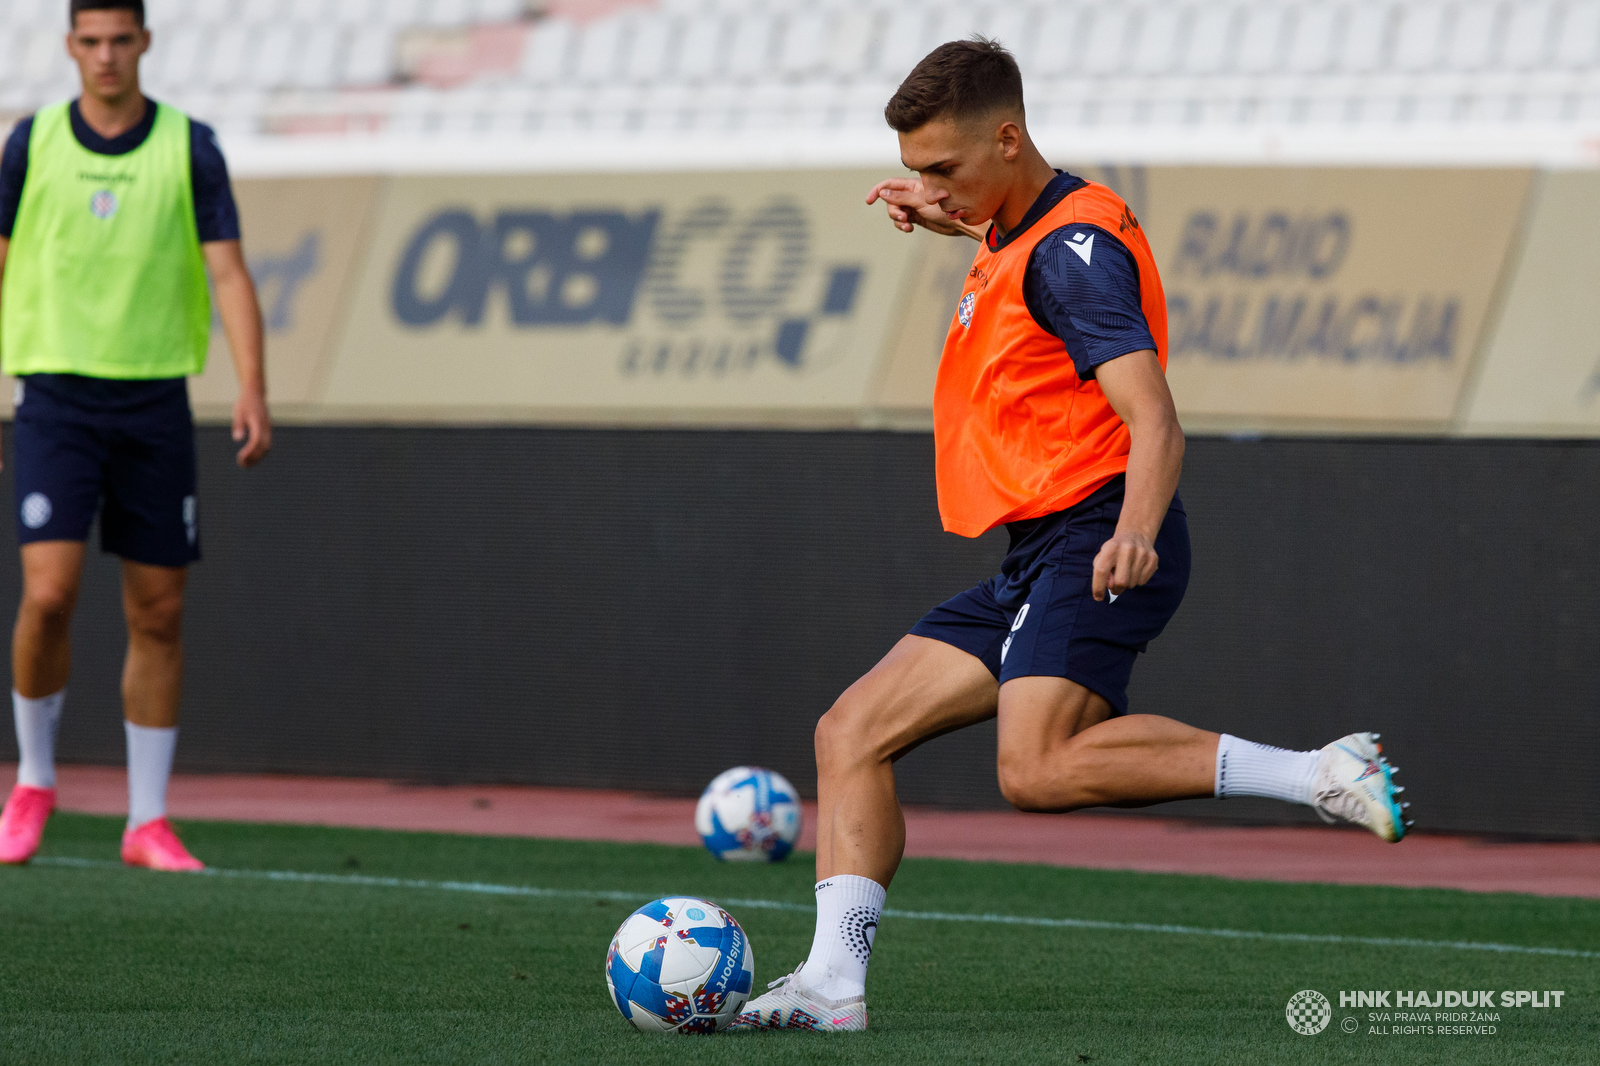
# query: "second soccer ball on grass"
749, 814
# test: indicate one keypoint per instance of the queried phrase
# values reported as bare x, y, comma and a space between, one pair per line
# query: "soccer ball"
682, 965
749, 815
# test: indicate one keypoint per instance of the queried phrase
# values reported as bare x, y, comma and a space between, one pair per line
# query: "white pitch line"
487, 889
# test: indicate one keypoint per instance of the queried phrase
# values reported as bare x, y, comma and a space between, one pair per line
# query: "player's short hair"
136, 6
958, 80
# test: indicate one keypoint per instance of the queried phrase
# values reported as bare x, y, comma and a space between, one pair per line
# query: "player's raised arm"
1136, 388
909, 208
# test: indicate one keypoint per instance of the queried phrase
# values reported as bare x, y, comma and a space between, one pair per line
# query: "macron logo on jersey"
1083, 244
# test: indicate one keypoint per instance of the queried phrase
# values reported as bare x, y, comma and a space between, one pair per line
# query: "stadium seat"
317, 66
1108, 40
546, 52
1473, 39
700, 48
1264, 39
1309, 49
371, 55
270, 69
1421, 32
905, 33
1205, 47
670, 65
804, 49
499, 10
1526, 36
645, 47
599, 53
229, 53
754, 46
1579, 37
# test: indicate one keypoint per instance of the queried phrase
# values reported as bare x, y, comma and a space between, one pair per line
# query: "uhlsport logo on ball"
749, 814
1308, 1012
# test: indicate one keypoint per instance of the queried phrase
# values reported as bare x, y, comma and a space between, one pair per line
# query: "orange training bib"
1017, 435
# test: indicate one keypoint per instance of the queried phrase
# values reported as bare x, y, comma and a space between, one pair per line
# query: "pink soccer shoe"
155, 845
22, 823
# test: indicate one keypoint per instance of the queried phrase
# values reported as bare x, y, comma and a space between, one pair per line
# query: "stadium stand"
549, 68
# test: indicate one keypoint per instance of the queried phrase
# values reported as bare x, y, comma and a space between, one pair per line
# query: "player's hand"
252, 427
908, 209
1126, 561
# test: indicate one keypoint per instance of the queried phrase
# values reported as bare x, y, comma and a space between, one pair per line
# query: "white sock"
149, 768
36, 737
848, 908
1245, 768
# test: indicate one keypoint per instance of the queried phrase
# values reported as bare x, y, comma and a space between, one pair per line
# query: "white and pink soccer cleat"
22, 823
1354, 783
792, 1006
156, 846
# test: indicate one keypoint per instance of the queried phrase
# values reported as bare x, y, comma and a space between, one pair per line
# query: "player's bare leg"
152, 683
41, 659
41, 643
921, 689
152, 675
1061, 750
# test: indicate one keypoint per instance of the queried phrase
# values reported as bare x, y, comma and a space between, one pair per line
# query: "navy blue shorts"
1038, 617
132, 459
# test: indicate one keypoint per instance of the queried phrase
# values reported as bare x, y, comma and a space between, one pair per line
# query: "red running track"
1106, 842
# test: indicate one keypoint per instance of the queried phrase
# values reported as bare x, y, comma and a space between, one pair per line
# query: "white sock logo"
860, 928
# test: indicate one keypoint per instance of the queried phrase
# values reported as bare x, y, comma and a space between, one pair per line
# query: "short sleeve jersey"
1086, 293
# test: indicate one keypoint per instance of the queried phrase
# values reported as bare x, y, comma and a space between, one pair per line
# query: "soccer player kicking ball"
1052, 417
112, 208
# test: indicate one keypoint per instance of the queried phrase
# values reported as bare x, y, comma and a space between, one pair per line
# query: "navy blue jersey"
1085, 292
215, 213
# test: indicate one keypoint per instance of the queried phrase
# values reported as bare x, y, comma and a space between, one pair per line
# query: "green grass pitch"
100, 964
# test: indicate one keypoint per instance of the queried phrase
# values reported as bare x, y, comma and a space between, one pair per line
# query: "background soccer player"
1051, 416
112, 210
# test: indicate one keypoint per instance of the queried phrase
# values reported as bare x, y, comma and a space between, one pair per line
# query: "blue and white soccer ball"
749, 815
681, 965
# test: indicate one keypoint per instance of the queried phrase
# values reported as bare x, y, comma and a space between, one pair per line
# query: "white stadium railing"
731, 81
